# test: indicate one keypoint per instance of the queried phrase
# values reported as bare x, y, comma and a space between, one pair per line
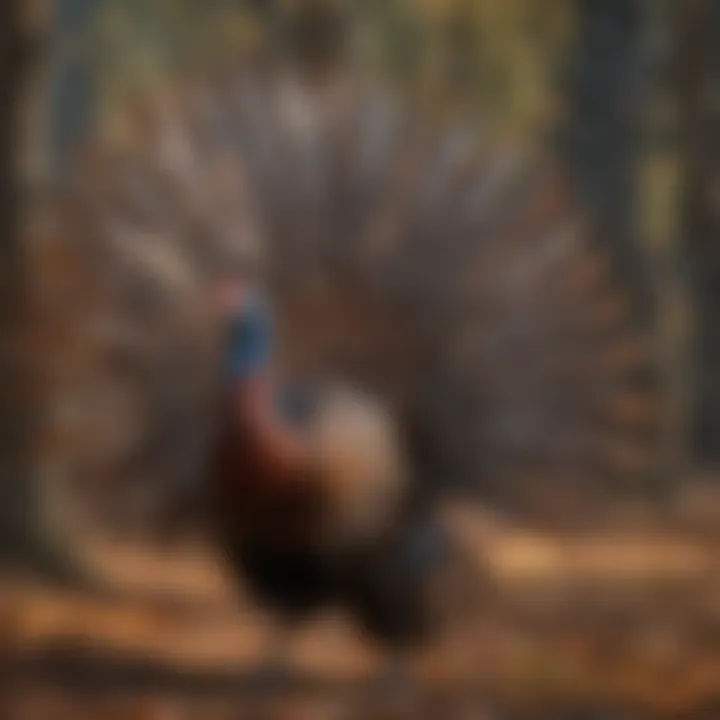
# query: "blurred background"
559, 339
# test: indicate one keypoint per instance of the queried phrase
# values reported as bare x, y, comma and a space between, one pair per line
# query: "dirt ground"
616, 625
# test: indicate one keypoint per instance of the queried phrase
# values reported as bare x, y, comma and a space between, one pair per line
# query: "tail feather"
451, 275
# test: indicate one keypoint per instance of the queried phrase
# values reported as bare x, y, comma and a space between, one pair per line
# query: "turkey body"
285, 544
266, 536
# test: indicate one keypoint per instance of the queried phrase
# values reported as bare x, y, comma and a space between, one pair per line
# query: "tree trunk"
72, 97
24, 539
698, 77
17, 502
600, 137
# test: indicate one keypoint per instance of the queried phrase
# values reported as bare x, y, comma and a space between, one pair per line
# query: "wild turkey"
449, 275
451, 278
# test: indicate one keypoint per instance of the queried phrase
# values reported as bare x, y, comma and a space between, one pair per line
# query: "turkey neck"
249, 481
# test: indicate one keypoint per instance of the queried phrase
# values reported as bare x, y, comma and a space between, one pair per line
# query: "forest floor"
619, 625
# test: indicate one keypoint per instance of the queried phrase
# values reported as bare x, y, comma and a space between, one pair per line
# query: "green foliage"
499, 57
139, 40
